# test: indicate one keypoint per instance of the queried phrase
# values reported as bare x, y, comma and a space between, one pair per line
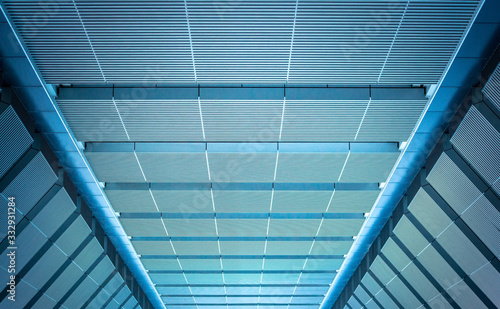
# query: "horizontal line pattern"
390, 120
427, 38
93, 120
334, 42
492, 88
14, 139
325, 120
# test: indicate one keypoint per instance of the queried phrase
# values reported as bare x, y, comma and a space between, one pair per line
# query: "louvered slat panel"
492, 88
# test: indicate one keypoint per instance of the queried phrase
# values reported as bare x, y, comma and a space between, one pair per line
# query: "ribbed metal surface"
410, 236
301, 201
31, 183
310, 167
438, 267
242, 120
242, 167
461, 249
452, 184
161, 120
402, 293
427, 212
488, 280
479, 142
324, 120
492, 88
356, 201
14, 139
419, 282
397, 257
115, 167
484, 219
243, 42
93, 120
131, 200
173, 167
365, 167
465, 297
390, 120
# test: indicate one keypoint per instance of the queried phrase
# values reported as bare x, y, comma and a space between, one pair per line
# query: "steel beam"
254, 93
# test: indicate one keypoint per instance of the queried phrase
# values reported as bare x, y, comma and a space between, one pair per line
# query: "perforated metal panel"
365, 167
115, 167
451, 183
93, 120
174, 167
402, 293
324, 120
390, 120
479, 142
244, 121
488, 280
310, 167
14, 139
242, 167
243, 201
31, 183
425, 209
492, 88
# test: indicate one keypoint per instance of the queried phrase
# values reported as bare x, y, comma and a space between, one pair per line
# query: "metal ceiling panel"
282, 264
322, 120
242, 121
288, 248
115, 167
143, 227
131, 200
418, 281
307, 278
195, 248
484, 220
183, 201
14, 138
402, 293
243, 201
479, 142
465, 297
31, 183
153, 247
410, 236
492, 88
89, 255
386, 300
390, 120
174, 167
425, 209
368, 167
64, 282
242, 248
241, 227
340, 227
243, 264
487, 279
161, 264
54, 213
93, 120
198, 264
461, 249
242, 167
452, 184
45, 267
438, 267
329, 248
310, 167
186, 227
160, 120
73, 236
397, 257
353, 201
294, 227
383, 273
323, 264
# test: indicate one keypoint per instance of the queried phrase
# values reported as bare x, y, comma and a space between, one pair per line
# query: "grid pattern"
444, 250
59, 260
312, 42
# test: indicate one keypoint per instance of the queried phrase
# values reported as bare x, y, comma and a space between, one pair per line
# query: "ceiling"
241, 145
